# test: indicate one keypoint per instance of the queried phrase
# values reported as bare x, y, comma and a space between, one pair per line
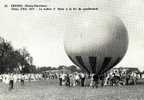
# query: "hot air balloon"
95, 42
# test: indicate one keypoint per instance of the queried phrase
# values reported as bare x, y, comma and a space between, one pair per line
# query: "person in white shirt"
134, 77
82, 77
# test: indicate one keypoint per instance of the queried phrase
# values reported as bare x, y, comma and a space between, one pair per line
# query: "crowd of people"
113, 78
10, 79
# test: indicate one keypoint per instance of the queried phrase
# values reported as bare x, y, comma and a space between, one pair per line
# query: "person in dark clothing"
11, 85
127, 78
102, 79
11, 82
22, 80
95, 78
60, 79
68, 80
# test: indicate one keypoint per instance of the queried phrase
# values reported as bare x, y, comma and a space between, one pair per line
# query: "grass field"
49, 90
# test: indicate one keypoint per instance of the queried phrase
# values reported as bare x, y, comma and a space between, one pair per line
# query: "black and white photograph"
72, 50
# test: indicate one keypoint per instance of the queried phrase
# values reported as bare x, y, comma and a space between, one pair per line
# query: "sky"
42, 32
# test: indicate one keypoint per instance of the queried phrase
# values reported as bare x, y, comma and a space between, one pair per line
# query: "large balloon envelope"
95, 42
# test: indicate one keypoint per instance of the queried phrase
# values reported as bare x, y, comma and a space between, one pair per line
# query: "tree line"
20, 60
14, 60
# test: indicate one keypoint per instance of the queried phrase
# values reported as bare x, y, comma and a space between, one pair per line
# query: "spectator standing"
82, 77
91, 80
67, 80
11, 81
134, 77
22, 79
95, 79
60, 79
